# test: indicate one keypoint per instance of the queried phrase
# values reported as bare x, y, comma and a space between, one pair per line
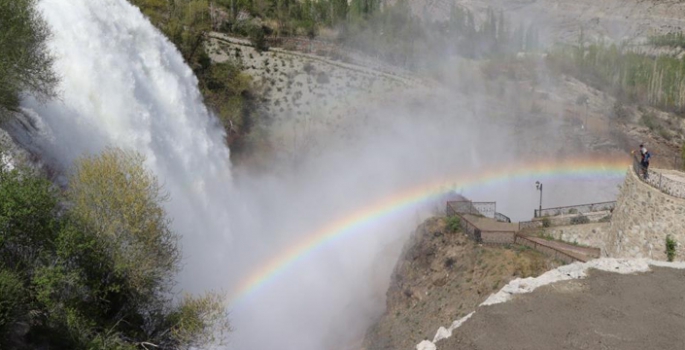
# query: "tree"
95, 271
114, 196
25, 62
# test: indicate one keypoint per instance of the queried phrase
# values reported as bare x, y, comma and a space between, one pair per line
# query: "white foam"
124, 84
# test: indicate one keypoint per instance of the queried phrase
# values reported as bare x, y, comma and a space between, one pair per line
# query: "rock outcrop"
443, 276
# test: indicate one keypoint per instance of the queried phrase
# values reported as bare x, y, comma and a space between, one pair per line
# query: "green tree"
119, 200
25, 62
95, 271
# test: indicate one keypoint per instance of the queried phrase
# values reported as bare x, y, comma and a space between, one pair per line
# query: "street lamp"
538, 186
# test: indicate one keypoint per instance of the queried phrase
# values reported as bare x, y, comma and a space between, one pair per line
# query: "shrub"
25, 65
670, 248
453, 224
449, 262
12, 301
258, 38
605, 219
580, 219
96, 272
119, 200
546, 222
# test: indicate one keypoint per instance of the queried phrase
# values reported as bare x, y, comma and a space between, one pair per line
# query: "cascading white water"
124, 84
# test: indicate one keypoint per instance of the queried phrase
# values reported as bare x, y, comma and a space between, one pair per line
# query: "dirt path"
603, 311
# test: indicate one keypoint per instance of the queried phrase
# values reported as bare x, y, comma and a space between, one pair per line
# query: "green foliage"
114, 197
670, 39
656, 81
546, 236
12, 305
228, 93
185, 22
96, 271
401, 38
546, 222
25, 63
453, 224
257, 38
670, 248
199, 321
579, 220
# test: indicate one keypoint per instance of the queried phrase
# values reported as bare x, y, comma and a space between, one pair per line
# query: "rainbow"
572, 169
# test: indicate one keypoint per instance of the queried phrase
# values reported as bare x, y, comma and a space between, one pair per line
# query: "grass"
453, 224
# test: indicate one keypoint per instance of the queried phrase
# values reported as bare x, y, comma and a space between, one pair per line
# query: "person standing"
644, 162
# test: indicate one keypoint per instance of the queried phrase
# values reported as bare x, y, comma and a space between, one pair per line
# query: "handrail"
502, 218
580, 209
655, 178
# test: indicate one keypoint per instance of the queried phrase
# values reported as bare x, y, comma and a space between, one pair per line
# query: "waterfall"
123, 84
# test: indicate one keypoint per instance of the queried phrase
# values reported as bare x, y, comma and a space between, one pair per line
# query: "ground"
442, 276
604, 311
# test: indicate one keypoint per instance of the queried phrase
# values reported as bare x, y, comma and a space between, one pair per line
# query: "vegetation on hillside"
657, 81
94, 268
25, 63
226, 88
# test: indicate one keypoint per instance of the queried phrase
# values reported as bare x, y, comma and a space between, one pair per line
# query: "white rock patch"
567, 272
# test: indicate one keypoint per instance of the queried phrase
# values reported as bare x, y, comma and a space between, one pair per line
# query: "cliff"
442, 276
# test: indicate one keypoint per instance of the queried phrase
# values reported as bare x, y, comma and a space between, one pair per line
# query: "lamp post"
538, 186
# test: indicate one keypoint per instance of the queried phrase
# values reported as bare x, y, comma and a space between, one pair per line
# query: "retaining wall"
643, 217
593, 234
498, 237
554, 253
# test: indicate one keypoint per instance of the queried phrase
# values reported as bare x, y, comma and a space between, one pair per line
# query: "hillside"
440, 276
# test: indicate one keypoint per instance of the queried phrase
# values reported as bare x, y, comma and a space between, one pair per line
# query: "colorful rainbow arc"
570, 169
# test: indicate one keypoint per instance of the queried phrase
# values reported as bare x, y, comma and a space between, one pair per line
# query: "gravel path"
604, 311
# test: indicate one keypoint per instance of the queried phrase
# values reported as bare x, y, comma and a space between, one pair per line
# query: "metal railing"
487, 209
575, 209
661, 179
501, 217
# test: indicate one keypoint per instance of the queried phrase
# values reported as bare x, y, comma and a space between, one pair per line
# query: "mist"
124, 85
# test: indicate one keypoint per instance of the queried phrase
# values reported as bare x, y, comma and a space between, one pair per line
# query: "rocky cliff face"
442, 276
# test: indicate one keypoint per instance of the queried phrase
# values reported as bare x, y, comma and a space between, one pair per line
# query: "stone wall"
498, 237
593, 235
547, 250
643, 217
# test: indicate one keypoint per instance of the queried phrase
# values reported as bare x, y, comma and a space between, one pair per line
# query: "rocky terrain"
562, 20
442, 275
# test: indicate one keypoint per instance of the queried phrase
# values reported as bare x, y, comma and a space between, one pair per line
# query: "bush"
12, 305
580, 219
97, 271
670, 248
453, 224
257, 37
546, 222
25, 63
